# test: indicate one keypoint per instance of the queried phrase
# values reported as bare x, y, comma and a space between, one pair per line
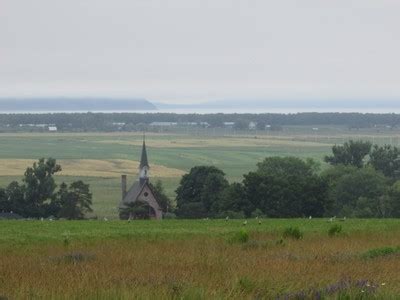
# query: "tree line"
38, 197
362, 181
139, 121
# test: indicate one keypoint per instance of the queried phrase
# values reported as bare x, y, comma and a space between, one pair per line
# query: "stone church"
139, 202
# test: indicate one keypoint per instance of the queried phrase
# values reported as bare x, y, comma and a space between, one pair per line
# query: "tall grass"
191, 260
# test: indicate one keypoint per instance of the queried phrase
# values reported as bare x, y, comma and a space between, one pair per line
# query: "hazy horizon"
197, 51
104, 104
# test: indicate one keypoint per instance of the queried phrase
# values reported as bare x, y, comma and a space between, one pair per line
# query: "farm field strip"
88, 168
100, 158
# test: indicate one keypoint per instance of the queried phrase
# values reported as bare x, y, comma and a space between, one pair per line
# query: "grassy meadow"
187, 259
100, 158
199, 259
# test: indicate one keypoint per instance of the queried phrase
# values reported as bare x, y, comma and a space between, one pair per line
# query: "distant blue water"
223, 110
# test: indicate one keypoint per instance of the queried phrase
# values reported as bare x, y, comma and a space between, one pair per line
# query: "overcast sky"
199, 50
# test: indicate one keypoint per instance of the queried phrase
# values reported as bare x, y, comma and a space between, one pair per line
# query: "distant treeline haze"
139, 121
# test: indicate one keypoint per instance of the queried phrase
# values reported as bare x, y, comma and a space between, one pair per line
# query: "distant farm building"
163, 124
229, 124
194, 124
252, 125
52, 128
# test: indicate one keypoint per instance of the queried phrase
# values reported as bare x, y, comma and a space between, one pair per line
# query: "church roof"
135, 190
143, 159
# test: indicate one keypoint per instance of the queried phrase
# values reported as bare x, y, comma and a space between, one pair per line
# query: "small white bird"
259, 222
227, 218
309, 217
105, 219
245, 223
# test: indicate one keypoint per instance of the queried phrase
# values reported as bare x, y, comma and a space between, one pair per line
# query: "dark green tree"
199, 191
286, 187
387, 160
37, 197
40, 186
4, 203
163, 200
394, 199
74, 200
351, 153
357, 192
15, 194
234, 199
135, 210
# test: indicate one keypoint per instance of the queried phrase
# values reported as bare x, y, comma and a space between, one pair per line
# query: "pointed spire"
143, 159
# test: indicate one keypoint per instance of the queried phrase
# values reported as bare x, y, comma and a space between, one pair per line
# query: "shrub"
169, 215
293, 232
257, 213
66, 239
230, 214
380, 252
240, 237
335, 230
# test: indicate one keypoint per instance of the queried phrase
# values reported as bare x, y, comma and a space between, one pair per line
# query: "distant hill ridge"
309, 104
61, 104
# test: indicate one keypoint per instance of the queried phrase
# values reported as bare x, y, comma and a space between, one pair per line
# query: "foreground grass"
178, 259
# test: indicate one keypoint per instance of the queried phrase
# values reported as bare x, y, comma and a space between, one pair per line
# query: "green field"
169, 154
202, 259
182, 259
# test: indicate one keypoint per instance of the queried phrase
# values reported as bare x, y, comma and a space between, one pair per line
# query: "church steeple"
143, 159
144, 164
